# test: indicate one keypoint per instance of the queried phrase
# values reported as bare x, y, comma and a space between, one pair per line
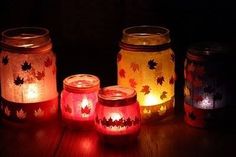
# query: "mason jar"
28, 75
146, 63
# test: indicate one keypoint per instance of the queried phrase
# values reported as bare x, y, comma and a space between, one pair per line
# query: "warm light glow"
84, 102
115, 116
150, 100
32, 92
206, 103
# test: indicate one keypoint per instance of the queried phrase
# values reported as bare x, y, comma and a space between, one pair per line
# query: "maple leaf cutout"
85, 110
162, 110
5, 60
122, 73
160, 80
19, 81
163, 95
7, 111
68, 109
26, 66
40, 75
119, 56
48, 62
39, 113
146, 89
134, 66
172, 80
21, 114
132, 83
152, 64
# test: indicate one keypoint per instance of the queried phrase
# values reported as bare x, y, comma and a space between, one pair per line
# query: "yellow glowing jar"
28, 75
147, 64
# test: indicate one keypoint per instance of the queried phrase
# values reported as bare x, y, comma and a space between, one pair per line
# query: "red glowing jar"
78, 99
117, 115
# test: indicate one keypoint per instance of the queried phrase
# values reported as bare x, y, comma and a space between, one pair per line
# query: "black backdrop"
86, 33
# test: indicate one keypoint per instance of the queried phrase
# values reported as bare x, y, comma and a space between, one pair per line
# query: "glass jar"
117, 117
78, 100
205, 91
28, 75
147, 64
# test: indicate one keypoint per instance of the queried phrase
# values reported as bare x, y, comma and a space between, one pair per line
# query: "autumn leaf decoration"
68, 109
19, 81
152, 64
119, 56
5, 60
146, 90
134, 67
160, 80
132, 83
48, 62
122, 73
172, 80
40, 75
163, 95
26, 66
85, 110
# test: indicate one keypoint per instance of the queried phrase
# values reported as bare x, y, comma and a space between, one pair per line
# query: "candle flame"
115, 116
32, 92
151, 100
84, 102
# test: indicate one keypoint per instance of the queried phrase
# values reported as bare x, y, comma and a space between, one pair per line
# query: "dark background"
85, 33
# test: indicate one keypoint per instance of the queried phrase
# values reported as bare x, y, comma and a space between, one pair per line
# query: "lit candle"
117, 114
31, 93
78, 99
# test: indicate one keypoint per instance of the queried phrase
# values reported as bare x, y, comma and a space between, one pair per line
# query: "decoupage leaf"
85, 110
48, 62
119, 56
152, 64
19, 81
26, 66
172, 80
163, 95
132, 83
40, 75
21, 114
39, 113
134, 66
5, 60
160, 80
122, 73
146, 89
7, 111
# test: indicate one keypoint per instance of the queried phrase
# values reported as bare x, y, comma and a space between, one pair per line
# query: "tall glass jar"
28, 75
147, 64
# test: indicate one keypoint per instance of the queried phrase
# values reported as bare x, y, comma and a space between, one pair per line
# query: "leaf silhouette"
19, 81
68, 109
26, 66
7, 111
5, 60
134, 66
21, 114
85, 110
173, 57
40, 75
152, 64
192, 116
48, 62
217, 96
160, 80
208, 89
38, 113
122, 73
172, 80
163, 95
132, 83
146, 89
119, 56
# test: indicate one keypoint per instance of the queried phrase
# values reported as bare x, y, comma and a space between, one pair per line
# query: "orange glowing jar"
117, 117
28, 75
147, 64
78, 100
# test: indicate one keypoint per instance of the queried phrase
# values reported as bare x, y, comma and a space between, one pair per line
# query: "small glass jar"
78, 100
117, 117
205, 91
28, 75
147, 64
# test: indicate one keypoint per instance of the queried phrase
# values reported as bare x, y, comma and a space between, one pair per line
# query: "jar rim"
81, 83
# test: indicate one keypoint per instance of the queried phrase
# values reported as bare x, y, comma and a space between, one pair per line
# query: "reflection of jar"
78, 99
28, 75
117, 117
205, 84
147, 63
